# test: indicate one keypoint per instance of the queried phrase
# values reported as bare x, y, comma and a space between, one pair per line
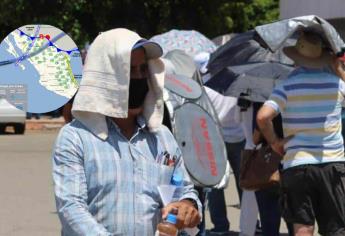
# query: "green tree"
84, 19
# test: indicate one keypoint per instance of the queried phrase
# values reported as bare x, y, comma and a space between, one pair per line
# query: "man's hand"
187, 215
278, 145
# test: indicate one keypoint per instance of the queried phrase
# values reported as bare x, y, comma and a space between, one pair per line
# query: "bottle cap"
176, 179
171, 218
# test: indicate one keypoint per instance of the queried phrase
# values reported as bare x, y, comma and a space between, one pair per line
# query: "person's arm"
271, 108
338, 67
225, 106
257, 137
264, 120
70, 186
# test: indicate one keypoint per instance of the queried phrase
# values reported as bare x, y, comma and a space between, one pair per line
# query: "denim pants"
216, 199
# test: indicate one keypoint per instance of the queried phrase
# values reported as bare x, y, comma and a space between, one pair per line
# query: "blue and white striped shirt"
310, 102
109, 187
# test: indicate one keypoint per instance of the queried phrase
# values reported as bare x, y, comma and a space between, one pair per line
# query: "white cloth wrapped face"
104, 87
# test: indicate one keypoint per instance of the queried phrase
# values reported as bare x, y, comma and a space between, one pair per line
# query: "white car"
11, 116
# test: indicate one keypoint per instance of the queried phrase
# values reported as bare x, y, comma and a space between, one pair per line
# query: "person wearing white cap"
310, 102
108, 162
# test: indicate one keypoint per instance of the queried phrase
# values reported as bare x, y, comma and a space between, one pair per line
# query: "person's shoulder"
70, 138
303, 71
72, 126
303, 75
162, 129
164, 132
72, 129
295, 72
280, 84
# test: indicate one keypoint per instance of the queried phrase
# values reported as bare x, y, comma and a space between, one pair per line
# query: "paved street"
26, 193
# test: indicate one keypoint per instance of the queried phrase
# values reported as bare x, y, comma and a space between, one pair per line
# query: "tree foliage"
84, 19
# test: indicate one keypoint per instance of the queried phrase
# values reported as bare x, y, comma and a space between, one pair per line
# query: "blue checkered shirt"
109, 187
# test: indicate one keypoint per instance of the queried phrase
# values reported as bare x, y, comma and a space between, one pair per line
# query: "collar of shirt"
141, 125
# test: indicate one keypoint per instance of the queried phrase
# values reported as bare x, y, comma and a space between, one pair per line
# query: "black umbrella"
245, 66
245, 48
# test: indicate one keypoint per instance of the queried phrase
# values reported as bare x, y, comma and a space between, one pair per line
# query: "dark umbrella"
244, 66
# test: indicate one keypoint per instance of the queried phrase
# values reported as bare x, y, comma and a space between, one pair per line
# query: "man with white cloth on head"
108, 162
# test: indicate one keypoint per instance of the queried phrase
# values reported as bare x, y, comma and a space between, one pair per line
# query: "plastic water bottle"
168, 227
177, 181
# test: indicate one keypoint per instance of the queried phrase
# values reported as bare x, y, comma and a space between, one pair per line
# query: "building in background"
331, 10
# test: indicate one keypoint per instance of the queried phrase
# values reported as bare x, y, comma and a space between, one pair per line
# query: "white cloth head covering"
104, 87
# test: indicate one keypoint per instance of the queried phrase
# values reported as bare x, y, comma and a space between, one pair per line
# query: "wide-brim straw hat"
309, 51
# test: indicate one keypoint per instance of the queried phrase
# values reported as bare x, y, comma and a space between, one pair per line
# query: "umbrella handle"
243, 103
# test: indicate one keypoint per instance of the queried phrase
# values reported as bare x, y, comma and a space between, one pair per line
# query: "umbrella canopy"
256, 80
243, 49
190, 41
182, 63
222, 39
244, 66
275, 34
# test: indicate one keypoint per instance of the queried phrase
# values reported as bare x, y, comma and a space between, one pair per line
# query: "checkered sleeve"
189, 190
70, 186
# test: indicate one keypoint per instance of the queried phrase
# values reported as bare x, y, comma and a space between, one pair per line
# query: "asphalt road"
26, 192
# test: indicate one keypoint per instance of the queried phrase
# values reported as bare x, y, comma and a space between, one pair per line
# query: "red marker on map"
47, 36
41, 36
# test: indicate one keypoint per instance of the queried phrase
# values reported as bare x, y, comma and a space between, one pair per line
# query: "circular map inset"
46, 61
